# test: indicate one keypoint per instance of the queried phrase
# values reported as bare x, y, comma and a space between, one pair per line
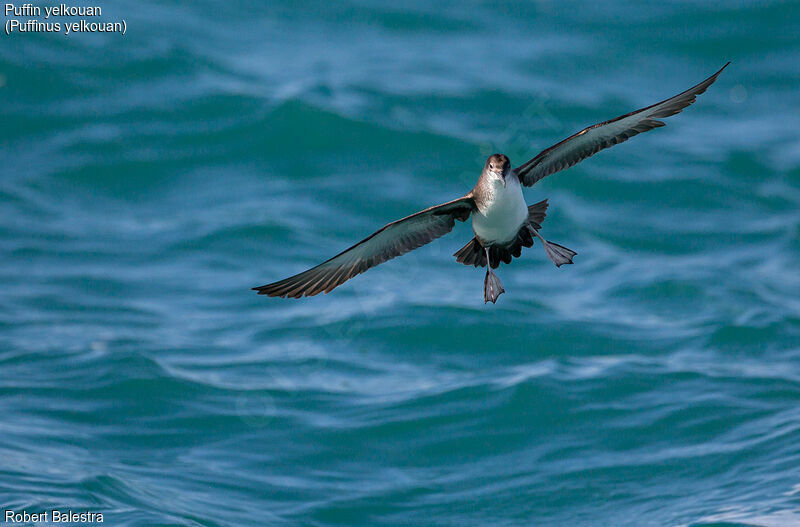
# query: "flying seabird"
501, 220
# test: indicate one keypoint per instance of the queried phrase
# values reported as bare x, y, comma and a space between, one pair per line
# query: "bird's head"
498, 166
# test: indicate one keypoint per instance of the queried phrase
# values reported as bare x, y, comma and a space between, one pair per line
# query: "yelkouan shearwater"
501, 220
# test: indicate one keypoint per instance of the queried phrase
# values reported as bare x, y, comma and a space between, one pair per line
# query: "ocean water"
150, 180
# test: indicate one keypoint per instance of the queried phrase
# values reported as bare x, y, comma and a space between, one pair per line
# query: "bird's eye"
491, 166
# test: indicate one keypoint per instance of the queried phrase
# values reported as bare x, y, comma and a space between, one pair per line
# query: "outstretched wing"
591, 140
396, 238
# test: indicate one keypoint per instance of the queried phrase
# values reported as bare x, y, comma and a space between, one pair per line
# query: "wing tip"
720, 70
268, 290
275, 290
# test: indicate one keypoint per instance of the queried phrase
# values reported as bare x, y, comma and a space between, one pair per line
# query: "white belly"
503, 214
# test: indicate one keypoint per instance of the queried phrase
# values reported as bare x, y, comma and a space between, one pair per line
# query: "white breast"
500, 217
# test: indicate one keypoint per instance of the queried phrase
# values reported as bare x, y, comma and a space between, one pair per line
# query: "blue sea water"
150, 180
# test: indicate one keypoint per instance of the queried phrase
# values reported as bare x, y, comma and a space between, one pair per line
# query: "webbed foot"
559, 254
492, 288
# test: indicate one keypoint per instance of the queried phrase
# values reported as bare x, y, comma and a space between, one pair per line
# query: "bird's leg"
559, 254
492, 288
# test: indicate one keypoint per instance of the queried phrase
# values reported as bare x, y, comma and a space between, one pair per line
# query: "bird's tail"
473, 254
537, 213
